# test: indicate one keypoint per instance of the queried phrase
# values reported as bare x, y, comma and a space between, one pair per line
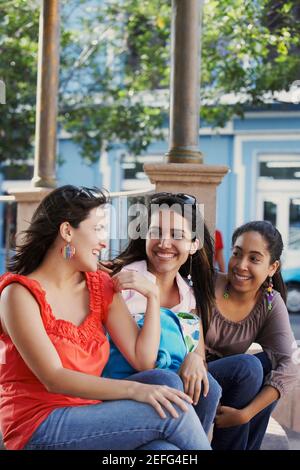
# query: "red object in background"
218, 241
219, 256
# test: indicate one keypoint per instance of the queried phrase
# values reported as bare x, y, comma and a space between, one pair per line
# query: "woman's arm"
228, 416
21, 320
138, 346
193, 370
277, 340
264, 398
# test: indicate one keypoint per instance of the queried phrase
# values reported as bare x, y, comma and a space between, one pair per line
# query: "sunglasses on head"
84, 192
185, 198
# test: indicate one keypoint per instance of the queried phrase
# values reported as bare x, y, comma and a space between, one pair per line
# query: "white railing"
7, 198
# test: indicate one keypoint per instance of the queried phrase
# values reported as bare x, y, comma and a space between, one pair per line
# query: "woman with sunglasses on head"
173, 249
250, 307
55, 309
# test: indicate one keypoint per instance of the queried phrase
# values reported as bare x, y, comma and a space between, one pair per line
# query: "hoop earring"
189, 277
270, 293
68, 251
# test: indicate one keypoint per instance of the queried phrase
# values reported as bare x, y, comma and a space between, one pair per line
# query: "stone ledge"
275, 437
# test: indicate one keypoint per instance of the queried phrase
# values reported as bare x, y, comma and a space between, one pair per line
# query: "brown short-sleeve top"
269, 328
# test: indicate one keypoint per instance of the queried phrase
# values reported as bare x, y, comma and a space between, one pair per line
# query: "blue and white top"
179, 327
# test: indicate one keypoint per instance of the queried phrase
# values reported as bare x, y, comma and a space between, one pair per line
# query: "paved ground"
275, 437
280, 438
293, 438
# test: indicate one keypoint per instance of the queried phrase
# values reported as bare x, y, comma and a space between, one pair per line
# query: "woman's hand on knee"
194, 376
161, 397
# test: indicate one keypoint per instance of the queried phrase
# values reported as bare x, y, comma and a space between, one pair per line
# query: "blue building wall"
73, 169
254, 124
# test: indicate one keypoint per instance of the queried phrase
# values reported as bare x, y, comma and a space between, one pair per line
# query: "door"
278, 200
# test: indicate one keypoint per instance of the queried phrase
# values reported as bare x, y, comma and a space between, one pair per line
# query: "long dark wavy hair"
275, 247
65, 204
202, 261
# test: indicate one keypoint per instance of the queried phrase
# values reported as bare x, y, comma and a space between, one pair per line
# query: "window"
279, 167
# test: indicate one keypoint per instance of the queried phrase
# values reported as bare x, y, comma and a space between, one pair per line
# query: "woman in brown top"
250, 307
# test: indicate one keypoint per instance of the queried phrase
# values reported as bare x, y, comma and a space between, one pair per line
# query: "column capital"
165, 173
197, 179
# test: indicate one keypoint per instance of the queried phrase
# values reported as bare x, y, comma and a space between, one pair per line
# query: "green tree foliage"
18, 50
250, 48
123, 56
115, 60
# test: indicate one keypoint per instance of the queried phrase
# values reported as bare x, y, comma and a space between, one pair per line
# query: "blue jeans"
241, 377
206, 407
121, 424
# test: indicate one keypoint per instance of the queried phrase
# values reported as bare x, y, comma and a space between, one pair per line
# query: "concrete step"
275, 437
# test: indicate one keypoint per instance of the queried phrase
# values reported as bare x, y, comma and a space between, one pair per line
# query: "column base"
41, 182
184, 155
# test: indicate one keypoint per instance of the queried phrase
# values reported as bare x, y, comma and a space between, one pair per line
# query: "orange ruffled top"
25, 403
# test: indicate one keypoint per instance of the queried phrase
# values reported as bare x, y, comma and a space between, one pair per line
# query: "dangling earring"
189, 277
270, 293
226, 291
68, 251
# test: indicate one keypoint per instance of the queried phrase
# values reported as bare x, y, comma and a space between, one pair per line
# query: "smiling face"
168, 242
88, 240
250, 263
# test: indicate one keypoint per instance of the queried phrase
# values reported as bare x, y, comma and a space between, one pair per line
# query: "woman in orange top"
54, 308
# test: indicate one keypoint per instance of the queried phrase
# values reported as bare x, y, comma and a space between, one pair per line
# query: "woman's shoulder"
12, 291
21, 297
277, 303
19, 285
99, 278
8, 278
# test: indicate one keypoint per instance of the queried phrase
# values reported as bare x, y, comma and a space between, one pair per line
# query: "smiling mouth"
165, 256
241, 278
96, 253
